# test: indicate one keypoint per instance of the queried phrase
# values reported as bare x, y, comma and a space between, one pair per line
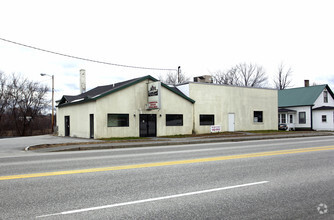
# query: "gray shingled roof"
102, 91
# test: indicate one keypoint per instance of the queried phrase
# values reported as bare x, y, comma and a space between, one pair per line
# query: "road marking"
137, 152
179, 150
169, 163
151, 199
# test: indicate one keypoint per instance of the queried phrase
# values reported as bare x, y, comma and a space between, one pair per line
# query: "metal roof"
304, 96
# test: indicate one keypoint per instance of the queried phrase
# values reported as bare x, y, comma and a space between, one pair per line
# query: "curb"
167, 143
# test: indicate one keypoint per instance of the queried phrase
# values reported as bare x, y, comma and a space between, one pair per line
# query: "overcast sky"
200, 36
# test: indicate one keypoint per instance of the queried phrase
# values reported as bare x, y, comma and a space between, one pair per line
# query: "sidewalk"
161, 141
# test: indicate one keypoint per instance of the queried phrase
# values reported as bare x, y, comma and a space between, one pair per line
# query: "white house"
146, 107
307, 108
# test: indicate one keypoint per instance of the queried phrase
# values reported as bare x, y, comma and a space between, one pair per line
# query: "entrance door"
148, 125
91, 126
231, 122
67, 125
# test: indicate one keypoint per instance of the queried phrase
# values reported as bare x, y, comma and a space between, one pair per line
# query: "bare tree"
243, 74
251, 75
3, 97
282, 80
26, 100
227, 78
174, 78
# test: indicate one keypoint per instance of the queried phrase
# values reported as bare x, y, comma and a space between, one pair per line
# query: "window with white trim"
284, 118
291, 118
324, 118
325, 97
302, 117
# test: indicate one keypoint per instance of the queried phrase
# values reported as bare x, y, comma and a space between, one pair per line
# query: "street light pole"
53, 103
53, 91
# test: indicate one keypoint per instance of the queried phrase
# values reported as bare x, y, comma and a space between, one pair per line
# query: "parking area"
16, 145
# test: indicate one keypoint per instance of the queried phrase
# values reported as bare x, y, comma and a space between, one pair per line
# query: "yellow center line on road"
169, 163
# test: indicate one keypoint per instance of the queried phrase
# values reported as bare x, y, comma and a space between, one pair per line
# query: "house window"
174, 120
206, 120
118, 120
324, 118
302, 117
325, 97
258, 116
291, 118
279, 118
284, 118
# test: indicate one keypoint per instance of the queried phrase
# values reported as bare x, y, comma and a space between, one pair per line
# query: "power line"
86, 59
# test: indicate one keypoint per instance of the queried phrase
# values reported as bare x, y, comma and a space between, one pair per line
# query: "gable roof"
304, 96
101, 91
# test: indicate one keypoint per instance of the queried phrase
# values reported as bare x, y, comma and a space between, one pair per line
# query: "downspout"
311, 117
194, 126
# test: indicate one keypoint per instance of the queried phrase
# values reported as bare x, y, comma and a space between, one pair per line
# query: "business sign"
215, 128
154, 92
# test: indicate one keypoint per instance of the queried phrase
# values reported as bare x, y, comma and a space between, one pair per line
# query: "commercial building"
146, 107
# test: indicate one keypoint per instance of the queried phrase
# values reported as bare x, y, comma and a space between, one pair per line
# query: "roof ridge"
305, 87
97, 92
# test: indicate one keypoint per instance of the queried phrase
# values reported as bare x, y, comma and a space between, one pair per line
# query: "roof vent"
203, 79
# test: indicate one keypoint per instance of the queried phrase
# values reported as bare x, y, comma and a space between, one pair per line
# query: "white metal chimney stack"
82, 81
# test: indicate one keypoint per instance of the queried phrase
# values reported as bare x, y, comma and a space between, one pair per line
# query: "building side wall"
318, 124
241, 101
132, 101
79, 119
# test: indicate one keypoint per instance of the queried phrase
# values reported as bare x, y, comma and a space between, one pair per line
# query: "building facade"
233, 108
145, 107
307, 108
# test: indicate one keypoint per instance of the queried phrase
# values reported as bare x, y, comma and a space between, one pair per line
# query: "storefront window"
174, 120
206, 119
118, 120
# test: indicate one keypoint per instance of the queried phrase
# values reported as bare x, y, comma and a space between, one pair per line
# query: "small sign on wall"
215, 128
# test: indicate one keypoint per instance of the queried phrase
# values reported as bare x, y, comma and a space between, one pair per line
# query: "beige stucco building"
146, 107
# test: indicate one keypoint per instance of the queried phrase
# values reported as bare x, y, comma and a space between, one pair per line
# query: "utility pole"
53, 105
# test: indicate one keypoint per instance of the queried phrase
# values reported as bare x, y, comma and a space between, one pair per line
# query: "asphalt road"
270, 179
